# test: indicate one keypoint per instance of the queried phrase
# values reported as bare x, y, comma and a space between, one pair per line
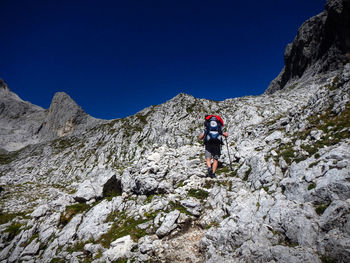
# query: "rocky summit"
77, 189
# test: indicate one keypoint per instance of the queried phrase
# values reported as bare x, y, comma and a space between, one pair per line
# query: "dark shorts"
212, 150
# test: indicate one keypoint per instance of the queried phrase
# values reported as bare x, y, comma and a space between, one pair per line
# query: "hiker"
212, 136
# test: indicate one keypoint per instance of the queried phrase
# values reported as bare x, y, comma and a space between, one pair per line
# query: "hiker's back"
213, 129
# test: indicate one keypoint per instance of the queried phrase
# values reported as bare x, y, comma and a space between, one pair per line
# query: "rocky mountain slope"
22, 123
133, 189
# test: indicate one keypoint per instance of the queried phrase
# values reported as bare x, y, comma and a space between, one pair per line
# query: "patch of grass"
180, 184
209, 184
71, 211
223, 170
274, 232
64, 143
326, 259
321, 208
212, 224
99, 254
266, 189
227, 183
334, 85
293, 86
13, 230
336, 122
57, 260
142, 118
311, 149
226, 171
273, 121
313, 164
110, 195
35, 236
311, 186
122, 227
288, 155
5, 217
179, 207
198, 193
149, 199
335, 129
78, 246
190, 108
6, 158
247, 173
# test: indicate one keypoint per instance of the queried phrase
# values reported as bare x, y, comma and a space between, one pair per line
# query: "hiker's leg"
215, 165
208, 161
208, 157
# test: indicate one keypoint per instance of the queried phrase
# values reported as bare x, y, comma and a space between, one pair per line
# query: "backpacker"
213, 129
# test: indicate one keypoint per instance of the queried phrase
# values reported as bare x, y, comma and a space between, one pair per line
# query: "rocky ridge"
133, 189
23, 123
322, 45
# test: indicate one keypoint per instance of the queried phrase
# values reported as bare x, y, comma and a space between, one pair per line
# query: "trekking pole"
228, 153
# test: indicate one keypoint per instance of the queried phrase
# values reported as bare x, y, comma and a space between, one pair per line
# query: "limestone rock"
168, 224
120, 249
320, 46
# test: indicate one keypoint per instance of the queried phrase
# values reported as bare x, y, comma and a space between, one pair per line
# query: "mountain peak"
182, 96
322, 45
61, 100
64, 115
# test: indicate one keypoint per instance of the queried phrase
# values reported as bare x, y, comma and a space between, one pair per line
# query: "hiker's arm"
201, 137
225, 134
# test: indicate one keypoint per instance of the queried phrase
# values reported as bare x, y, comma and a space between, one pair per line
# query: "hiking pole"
228, 153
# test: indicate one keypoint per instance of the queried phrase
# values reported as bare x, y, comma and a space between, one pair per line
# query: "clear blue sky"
115, 58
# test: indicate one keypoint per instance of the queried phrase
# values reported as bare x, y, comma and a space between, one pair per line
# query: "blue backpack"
213, 129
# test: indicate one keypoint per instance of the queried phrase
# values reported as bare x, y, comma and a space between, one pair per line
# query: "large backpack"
213, 129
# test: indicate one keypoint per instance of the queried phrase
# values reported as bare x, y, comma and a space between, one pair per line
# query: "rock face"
19, 120
134, 189
64, 116
321, 45
23, 123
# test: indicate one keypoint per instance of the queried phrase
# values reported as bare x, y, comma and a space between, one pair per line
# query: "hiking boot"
213, 175
210, 172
